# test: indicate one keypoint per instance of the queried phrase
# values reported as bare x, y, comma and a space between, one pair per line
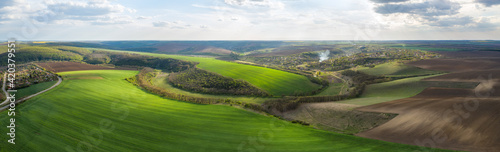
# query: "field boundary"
30, 96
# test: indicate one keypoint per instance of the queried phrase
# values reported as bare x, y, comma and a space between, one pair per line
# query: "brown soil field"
70, 66
441, 118
448, 118
456, 65
337, 117
470, 54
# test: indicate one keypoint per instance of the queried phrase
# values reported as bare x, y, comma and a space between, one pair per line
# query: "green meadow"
273, 81
34, 89
111, 114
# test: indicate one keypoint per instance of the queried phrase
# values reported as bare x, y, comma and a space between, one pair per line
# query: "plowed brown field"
458, 119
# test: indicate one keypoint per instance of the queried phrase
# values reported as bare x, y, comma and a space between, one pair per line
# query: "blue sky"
250, 19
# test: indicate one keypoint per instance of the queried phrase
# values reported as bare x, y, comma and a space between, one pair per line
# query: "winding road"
25, 98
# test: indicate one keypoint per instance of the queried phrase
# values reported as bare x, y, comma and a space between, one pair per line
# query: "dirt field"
337, 117
457, 119
456, 65
470, 54
70, 66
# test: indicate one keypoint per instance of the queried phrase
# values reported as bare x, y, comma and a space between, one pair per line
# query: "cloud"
6, 3
453, 21
489, 3
90, 8
143, 17
161, 24
96, 12
426, 8
172, 25
255, 3
14, 10
388, 1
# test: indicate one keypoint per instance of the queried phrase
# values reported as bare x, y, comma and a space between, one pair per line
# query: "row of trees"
27, 54
37, 53
143, 80
202, 81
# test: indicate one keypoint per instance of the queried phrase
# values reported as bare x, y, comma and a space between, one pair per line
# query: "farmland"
454, 118
403, 88
161, 81
395, 69
34, 89
96, 115
273, 81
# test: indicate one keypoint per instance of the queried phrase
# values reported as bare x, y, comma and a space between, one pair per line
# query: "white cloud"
256, 3
95, 12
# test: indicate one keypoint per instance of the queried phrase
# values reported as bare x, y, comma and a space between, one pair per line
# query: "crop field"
455, 65
393, 69
333, 89
403, 88
460, 118
34, 89
433, 108
111, 114
273, 81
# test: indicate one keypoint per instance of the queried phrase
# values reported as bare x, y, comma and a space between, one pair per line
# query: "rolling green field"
403, 88
394, 69
34, 89
273, 81
333, 89
111, 114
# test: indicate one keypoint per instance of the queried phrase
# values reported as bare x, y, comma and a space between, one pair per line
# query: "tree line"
202, 81
143, 80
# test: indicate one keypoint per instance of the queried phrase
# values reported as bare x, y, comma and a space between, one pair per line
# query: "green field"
395, 69
273, 81
403, 88
111, 114
34, 89
333, 89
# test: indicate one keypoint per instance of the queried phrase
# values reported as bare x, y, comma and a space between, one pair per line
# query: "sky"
70, 20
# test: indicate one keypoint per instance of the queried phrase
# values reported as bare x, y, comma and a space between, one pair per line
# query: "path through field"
28, 97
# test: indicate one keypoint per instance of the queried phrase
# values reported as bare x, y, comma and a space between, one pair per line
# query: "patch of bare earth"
337, 117
457, 119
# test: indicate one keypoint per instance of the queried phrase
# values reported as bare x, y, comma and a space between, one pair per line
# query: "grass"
395, 69
111, 114
403, 88
161, 81
333, 89
34, 89
275, 82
